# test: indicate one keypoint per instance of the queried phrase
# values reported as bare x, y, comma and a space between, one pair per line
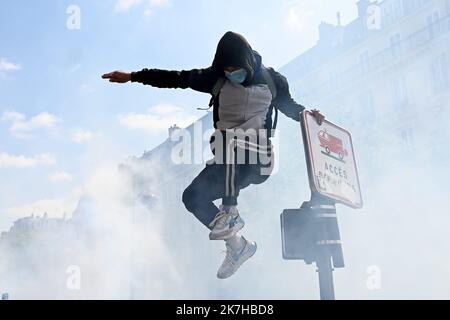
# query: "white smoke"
125, 244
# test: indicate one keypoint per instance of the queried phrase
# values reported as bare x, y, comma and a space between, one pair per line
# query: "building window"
440, 73
447, 5
434, 25
397, 9
392, 11
407, 136
400, 92
364, 62
387, 19
333, 79
410, 5
366, 105
396, 42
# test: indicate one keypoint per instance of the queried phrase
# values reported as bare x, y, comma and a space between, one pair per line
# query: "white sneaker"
234, 259
225, 225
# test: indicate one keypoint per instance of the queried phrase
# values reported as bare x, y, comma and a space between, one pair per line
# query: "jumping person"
245, 95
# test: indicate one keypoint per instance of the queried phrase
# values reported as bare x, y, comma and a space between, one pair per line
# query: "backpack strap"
216, 90
275, 121
273, 89
269, 80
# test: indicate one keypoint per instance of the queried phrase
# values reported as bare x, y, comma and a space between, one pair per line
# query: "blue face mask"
237, 77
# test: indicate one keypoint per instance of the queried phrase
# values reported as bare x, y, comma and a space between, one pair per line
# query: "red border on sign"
343, 200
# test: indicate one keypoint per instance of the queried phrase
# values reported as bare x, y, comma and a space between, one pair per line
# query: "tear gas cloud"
130, 236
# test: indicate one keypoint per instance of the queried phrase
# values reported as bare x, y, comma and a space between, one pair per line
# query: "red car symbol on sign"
332, 144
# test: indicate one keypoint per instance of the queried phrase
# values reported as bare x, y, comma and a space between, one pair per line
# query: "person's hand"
118, 76
319, 117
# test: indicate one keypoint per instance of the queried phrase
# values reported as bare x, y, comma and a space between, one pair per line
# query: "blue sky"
59, 121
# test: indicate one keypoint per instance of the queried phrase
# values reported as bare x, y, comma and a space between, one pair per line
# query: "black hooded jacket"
233, 50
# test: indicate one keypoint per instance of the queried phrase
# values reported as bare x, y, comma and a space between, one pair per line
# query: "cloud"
87, 88
6, 65
60, 176
21, 161
159, 3
125, 5
22, 128
158, 119
81, 136
299, 20
294, 19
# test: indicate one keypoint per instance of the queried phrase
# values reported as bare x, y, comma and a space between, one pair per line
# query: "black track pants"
219, 181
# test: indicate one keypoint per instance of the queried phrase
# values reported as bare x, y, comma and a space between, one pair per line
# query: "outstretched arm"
286, 104
202, 80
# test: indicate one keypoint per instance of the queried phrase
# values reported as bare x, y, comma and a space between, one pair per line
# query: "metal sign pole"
325, 271
327, 243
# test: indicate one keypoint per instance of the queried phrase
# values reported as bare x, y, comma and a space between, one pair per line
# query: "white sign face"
333, 171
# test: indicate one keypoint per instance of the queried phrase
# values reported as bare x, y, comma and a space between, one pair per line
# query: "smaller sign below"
331, 161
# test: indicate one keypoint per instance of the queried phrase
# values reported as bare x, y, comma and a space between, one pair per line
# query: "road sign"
331, 161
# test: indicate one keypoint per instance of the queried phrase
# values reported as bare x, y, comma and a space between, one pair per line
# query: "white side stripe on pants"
230, 188
230, 165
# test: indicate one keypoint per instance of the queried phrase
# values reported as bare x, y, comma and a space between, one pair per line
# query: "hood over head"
234, 50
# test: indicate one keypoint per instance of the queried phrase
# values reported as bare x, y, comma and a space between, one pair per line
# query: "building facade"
388, 70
